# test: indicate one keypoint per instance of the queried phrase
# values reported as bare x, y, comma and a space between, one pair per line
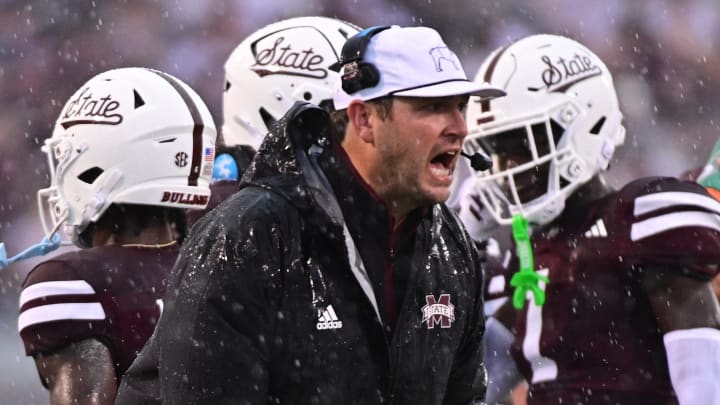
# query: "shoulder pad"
671, 223
52, 302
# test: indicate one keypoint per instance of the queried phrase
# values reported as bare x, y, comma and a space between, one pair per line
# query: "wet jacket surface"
269, 303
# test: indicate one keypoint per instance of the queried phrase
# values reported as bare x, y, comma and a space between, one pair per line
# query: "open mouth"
443, 165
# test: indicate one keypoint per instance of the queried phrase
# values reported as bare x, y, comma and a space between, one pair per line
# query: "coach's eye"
435, 106
463, 107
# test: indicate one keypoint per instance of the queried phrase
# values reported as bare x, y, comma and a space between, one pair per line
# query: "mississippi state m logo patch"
438, 312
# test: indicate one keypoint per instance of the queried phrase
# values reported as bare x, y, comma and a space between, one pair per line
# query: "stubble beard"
401, 180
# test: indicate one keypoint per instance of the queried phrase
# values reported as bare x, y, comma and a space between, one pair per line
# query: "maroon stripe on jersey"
197, 127
59, 299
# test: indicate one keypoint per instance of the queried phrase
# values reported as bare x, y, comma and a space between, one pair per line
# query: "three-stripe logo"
327, 319
598, 230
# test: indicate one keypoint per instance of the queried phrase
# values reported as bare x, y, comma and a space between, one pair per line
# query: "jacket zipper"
402, 314
392, 356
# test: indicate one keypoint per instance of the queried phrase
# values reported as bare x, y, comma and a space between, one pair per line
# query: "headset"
358, 75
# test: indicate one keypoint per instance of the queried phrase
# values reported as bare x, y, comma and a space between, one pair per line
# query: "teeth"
440, 171
452, 153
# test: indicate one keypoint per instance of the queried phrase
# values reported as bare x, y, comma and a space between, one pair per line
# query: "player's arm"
676, 247
81, 373
60, 319
503, 374
689, 316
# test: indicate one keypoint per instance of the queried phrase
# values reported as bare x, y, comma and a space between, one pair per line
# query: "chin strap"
44, 247
526, 279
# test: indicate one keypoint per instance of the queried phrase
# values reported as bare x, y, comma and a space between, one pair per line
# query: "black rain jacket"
272, 302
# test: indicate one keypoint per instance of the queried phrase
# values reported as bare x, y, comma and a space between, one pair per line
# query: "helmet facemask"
526, 176
52, 204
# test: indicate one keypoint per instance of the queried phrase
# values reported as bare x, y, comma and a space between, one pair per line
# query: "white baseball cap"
411, 62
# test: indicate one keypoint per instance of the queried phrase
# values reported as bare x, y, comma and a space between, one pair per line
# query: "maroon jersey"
596, 341
110, 293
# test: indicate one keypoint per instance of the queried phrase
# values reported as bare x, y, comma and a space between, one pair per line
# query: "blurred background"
663, 55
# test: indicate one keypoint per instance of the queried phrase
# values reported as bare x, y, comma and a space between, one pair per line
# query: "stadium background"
663, 54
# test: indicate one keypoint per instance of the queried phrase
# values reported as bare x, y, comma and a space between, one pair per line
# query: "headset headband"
354, 48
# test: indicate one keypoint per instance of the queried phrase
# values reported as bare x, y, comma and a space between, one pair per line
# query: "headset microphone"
478, 161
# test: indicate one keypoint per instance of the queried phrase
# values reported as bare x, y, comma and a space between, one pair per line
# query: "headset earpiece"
359, 75
356, 74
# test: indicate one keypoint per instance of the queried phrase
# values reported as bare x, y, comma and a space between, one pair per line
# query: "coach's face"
417, 147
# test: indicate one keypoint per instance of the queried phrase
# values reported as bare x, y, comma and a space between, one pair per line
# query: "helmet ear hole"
139, 102
598, 126
90, 175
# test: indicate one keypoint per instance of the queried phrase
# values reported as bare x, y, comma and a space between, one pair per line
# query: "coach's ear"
359, 118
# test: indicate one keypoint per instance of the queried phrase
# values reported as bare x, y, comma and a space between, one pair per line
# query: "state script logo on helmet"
130, 135
560, 121
276, 66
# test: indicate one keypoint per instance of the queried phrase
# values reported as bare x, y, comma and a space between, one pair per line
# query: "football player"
630, 316
130, 151
277, 65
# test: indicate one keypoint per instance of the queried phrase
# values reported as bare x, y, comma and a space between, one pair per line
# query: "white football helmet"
559, 125
130, 135
276, 66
